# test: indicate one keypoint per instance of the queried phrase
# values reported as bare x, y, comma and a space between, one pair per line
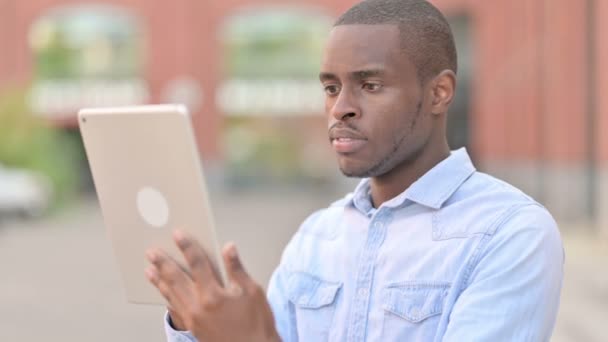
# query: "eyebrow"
363, 74
327, 76
357, 75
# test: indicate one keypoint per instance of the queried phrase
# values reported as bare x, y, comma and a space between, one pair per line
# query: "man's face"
374, 100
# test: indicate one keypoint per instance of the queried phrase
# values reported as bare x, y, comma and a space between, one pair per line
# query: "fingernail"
232, 251
151, 255
151, 274
179, 237
178, 234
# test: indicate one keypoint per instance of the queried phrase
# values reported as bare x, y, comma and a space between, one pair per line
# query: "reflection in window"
272, 97
86, 56
274, 44
272, 60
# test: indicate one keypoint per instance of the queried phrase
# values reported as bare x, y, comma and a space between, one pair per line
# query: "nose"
344, 106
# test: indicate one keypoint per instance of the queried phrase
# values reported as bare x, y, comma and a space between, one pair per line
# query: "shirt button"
378, 225
362, 292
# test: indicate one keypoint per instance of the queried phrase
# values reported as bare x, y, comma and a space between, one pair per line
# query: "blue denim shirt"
458, 256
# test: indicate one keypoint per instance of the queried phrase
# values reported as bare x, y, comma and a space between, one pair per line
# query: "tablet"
149, 181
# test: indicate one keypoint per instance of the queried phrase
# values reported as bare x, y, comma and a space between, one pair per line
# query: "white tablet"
149, 181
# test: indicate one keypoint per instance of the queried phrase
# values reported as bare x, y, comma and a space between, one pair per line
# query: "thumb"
234, 268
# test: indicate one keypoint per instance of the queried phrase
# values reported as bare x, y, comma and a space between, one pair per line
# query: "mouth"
345, 145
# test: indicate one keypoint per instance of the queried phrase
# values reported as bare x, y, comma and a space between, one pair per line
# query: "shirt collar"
430, 190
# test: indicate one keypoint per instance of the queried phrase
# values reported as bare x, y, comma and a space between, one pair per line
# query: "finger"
152, 275
175, 285
234, 267
182, 267
201, 269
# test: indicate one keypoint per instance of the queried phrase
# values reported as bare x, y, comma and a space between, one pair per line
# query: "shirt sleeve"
175, 335
281, 307
514, 289
278, 288
278, 295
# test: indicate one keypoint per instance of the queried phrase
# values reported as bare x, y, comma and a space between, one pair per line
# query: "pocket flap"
308, 291
415, 302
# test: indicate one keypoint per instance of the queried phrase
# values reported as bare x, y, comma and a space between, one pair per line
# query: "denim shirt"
458, 256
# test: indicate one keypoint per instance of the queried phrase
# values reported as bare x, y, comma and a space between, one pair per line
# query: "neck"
394, 182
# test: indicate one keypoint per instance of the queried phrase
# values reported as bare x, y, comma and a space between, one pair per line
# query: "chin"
351, 174
355, 172
366, 170
363, 167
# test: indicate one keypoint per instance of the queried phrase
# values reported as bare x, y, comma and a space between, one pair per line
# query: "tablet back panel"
149, 181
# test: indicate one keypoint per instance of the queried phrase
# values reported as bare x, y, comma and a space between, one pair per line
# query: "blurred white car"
23, 192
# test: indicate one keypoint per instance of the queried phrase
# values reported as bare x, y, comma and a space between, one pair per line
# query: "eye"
332, 89
372, 87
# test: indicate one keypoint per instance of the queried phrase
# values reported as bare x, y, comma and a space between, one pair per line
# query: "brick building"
534, 106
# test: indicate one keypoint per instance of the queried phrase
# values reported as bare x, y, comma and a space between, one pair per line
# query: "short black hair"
426, 36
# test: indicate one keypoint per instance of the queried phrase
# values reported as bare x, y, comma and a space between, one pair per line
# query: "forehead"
356, 46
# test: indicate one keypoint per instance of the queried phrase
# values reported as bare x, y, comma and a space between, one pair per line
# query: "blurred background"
529, 109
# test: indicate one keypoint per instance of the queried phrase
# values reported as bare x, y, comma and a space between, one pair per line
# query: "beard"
393, 157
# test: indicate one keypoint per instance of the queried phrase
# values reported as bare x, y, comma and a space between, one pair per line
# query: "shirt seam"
486, 237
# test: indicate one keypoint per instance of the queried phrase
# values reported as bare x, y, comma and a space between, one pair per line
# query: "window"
86, 56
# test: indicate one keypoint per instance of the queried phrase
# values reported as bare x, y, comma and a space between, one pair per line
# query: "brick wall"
530, 91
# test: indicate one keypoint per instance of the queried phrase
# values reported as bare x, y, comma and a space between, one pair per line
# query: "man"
425, 249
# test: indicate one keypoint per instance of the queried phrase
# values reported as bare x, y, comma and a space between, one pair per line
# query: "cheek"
387, 119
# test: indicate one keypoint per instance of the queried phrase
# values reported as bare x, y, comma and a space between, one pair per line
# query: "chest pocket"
412, 310
314, 301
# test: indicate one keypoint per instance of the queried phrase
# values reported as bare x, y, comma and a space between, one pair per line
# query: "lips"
346, 140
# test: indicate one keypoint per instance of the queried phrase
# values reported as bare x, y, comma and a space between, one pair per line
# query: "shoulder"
486, 205
514, 231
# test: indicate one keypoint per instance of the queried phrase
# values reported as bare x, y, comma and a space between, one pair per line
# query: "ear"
443, 88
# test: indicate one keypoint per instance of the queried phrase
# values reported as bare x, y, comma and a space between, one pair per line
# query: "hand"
198, 301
